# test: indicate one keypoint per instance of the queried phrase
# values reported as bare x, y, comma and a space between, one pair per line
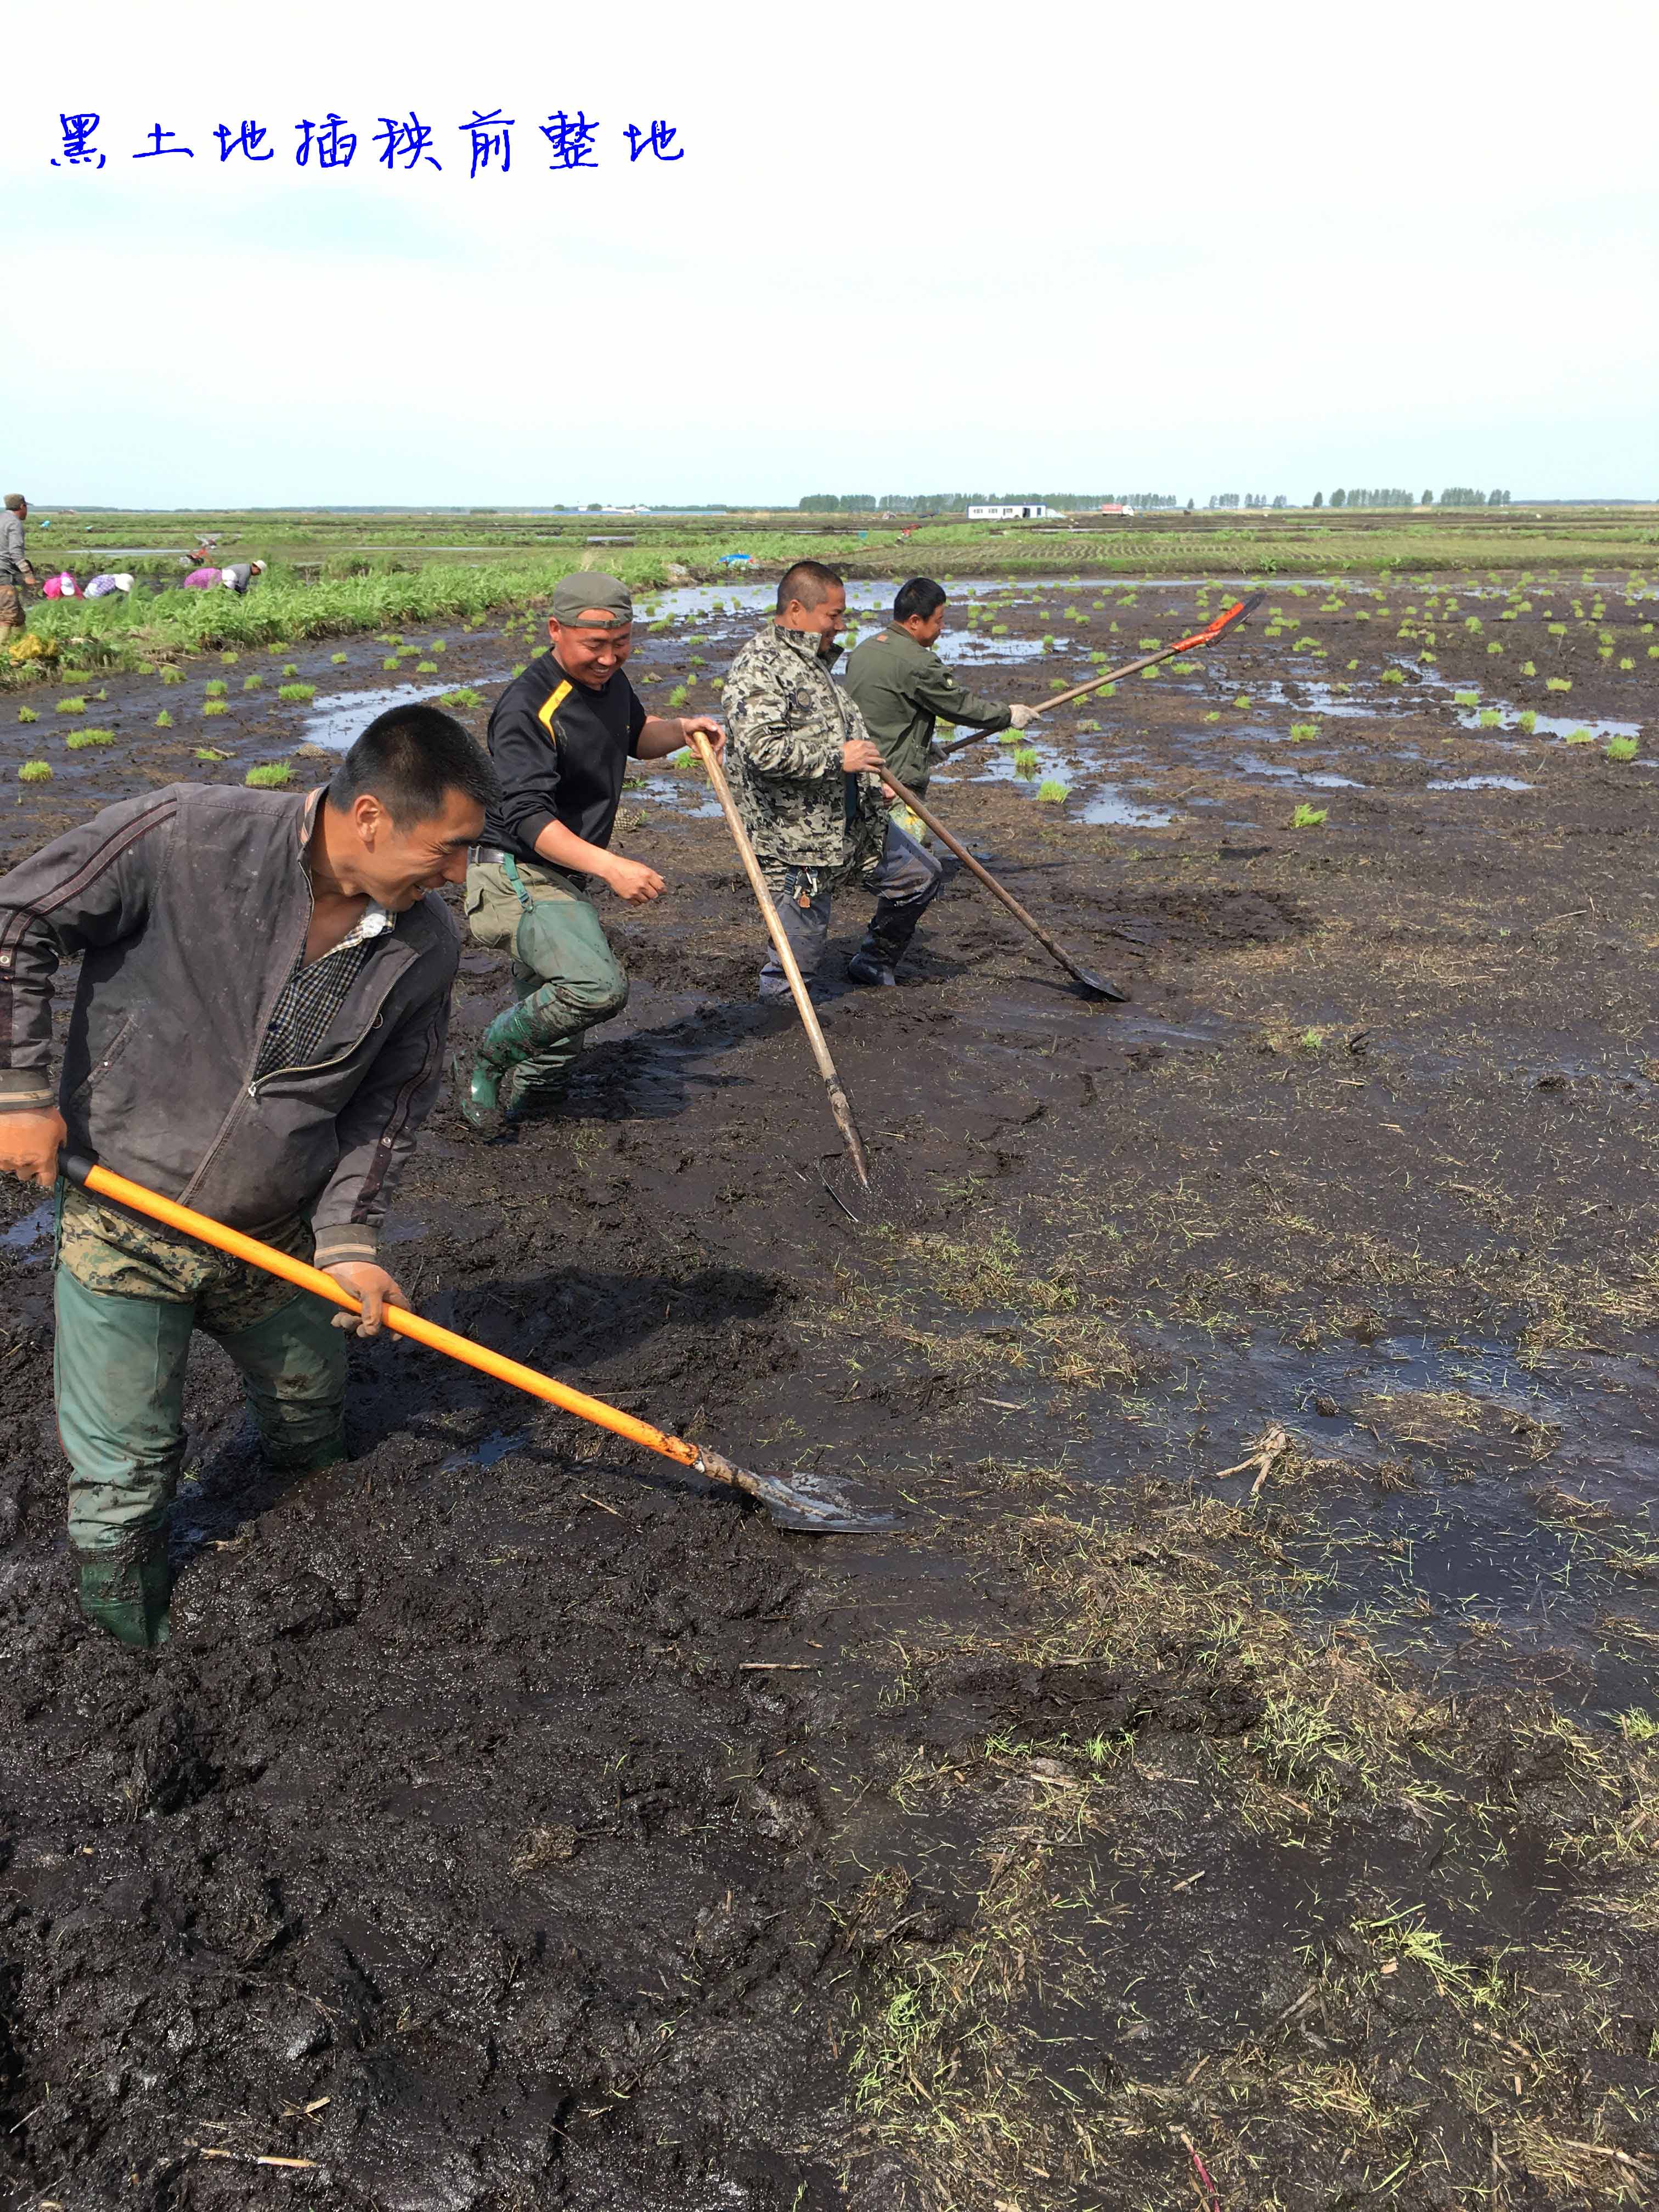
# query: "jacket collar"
801, 642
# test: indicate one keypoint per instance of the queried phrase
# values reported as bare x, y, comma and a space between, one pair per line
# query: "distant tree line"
1455, 496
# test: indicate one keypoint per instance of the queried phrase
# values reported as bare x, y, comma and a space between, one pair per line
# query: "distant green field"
333, 572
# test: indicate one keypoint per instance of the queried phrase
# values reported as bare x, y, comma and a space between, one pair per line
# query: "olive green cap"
592, 601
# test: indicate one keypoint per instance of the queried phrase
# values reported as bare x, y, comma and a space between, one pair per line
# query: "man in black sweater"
561, 738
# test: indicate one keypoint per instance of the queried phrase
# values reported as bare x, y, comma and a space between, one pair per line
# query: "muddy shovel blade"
816, 1502
1097, 988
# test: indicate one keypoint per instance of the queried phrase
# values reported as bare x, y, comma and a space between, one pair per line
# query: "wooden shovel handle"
839, 1105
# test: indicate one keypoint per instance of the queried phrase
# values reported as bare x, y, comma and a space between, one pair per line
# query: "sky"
1068, 248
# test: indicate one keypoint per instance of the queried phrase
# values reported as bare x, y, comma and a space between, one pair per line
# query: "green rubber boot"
127, 1591
483, 1094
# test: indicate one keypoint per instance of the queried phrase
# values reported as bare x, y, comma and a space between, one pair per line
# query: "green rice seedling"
1311, 1039
253, 682
1493, 648
296, 693
215, 706
1471, 623
1625, 665
1025, 759
217, 688
1528, 669
164, 720
1558, 683
439, 645
291, 668
35, 772
1214, 716
1393, 675
455, 701
210, 753
1466, 698
27, 715
173, 675
1621, 749
1303, 733
426, 668
1058, 682
270, 775
229, 660
998, 629
1526, 721
1151, 675
76, 706
1052, 792
1242, 700
1307, 817
77, 738
1490, 718
1048, 640
338, 660
1108, 690
1183, 668
392, 663
676, 697
1579, 737
698, 660
1352, 665
1653, 653
518, 667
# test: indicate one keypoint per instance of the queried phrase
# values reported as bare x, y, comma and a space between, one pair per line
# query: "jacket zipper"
251, 1090
317, 1067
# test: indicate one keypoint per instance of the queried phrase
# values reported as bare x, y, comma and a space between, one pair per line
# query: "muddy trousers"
566, 975
906, 879
119, 1370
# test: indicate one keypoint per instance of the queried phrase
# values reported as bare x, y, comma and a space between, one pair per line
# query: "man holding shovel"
257, 1032
561, 738
807, 783
902, 688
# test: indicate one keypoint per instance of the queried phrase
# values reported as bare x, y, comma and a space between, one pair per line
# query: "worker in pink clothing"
60, 586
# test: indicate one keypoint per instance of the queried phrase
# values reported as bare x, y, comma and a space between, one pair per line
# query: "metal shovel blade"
1099, 989
816, 1502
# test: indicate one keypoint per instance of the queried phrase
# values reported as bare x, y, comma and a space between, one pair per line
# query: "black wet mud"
513, 1821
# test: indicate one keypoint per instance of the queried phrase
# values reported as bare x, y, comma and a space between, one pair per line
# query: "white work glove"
1019, 716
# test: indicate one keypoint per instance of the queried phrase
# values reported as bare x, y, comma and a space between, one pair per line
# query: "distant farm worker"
204, 580
258, 1031
99, 587
17, 572
561, 738
61, 586
240, 574
902, 688
807, 779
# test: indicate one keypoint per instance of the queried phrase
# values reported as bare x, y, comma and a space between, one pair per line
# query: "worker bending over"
561, 738
257, 1032
807, 781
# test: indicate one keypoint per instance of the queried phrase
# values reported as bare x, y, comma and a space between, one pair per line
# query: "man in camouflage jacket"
807, 782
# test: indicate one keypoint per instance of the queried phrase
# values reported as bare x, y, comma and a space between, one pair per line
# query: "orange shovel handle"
398, 1319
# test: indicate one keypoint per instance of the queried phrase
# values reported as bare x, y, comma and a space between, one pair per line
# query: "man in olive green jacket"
900, 686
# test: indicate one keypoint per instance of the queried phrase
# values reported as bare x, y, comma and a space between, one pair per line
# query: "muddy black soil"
513, 1821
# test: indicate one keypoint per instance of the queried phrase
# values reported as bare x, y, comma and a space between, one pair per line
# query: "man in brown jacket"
258, 1031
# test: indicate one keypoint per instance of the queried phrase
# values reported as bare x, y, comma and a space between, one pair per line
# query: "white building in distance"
1031, 511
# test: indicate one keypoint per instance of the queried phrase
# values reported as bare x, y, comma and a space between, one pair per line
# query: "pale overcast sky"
1192, 250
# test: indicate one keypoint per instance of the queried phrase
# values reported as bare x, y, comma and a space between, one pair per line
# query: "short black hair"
409, 757
807, 581
919, 599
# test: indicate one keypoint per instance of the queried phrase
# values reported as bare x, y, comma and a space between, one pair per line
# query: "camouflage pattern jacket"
787, 720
